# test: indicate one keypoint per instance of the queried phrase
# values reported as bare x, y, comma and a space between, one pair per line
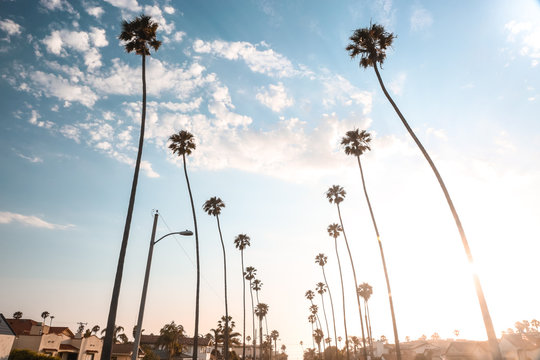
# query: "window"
89, 357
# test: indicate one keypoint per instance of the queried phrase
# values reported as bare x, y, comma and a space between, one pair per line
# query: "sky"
268, 90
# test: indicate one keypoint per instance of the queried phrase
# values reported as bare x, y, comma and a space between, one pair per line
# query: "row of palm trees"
370, 45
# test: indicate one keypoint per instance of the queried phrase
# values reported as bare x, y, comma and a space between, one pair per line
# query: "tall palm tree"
318, 336
249, 274
213, 207
334, 230
169, 336
241, 242
183, 144
138, 35
17, 315
310, 295
118, 330
336, 194
365, 291
274, 335
261, 310
356, 143
312, 320
322, 259
320, 287
45, 315
371, 44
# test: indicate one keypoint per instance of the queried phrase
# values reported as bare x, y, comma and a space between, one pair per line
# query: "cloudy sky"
268, 90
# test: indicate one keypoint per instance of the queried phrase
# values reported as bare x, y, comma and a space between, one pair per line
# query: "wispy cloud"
527, 36
275, 97
421, 19
11, 28
398, 83
32, 159
7, 217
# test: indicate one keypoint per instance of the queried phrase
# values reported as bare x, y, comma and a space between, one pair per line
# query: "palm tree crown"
334, 230
356, 142
257, 285
321, 259
250, 273
182, 143
242, 241
213, 206
370, 44
320, 287
138, 34
261, 310
365, 290
310, 295
335, 194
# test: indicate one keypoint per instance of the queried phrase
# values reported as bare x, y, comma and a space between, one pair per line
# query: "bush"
29, 355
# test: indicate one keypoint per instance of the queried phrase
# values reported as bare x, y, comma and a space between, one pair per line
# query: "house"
411, 349
56, 341
524, 346
7, 337
151, 341
124, 352
467, 350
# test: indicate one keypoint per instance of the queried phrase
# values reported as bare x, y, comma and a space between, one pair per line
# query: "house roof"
466, 347
5, 328
124, 349
22, 326
523, 341
68, 347
61, 330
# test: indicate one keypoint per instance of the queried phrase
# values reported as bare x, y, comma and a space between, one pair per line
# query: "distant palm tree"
45, 315
322, 259
365, 291
169, 336
371, 44
310, 295
213, 207
17, 315
334, 230
118, 330
241, 242
312, 320
336, 194
95, 329
183, 144
320, 287
261, 310
274, 335
257, 286
138, 35
318, 336
250, 276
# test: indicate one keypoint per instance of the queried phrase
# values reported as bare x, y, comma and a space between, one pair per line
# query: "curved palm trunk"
333, 315
343, 300
492, 337
253, 320
325, 318
396, 338
355, 282
226, 337
319, 326
313, 336
196, 330
368, 325
261, 339
244, 305
108, 340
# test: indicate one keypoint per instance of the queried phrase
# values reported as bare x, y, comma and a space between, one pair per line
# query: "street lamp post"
153, 242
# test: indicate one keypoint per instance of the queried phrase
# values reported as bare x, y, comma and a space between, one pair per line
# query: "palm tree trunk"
261, 337
196, 330
343, 300
396, 338
313, 336
325, 318
333, 315
368, 325
319, 325
244, 305
253, 320
492, 337
108, 340
226, 337
355, 281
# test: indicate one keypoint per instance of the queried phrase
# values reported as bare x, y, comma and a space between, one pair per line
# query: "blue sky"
268, 90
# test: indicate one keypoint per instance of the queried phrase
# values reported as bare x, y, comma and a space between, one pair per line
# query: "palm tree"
274, 335
365, 291
310, 295
320, 287
118, 330
137, 35
183, 144
17, 315
95, 329
371, 45
336, 194
318, 336
355, 143
169, 336
241, 242
249, 274
261, 310
322, 259
312, 320
45, 315
226, 336
213, 207
334, 230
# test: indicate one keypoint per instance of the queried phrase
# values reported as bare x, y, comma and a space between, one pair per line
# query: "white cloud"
527, 36
147, 168
275, 97
7, 217
52, 85
259, 57
169, 10
71, 132
95, 11
421, 19
32, 159
398, 83
179, 36
157, 15
34, 120
503, 143
129, 5
10, 27
63, 5
340, 90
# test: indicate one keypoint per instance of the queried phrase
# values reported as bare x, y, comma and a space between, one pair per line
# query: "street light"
153, 242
